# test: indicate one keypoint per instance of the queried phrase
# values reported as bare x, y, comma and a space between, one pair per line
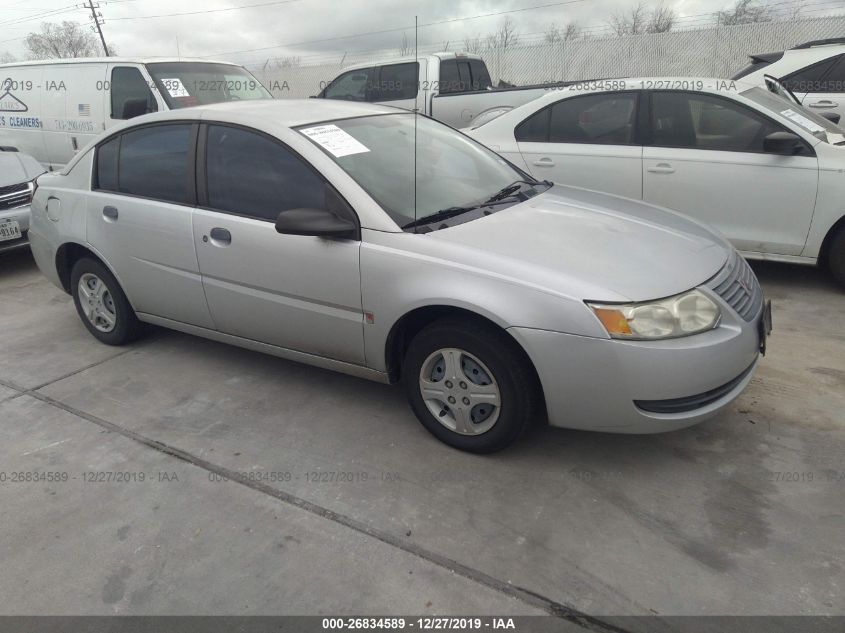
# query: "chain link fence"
710, 52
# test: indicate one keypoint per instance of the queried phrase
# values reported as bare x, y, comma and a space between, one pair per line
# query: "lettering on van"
20, 122
8, 101
71, 125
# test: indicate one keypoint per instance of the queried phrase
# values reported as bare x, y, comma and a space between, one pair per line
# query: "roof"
385, 61
268, 114
113, 60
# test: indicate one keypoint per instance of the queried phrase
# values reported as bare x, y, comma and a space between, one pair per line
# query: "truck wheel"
472, 387
102, 305
836, 257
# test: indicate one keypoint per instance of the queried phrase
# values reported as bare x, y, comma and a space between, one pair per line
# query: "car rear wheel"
836, 257
470, 385
102, 305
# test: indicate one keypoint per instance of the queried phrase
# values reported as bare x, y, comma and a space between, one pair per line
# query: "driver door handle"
544, 162
824, 103
662, 168
220, 237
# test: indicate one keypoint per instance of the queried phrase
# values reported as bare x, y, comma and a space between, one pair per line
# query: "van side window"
130, 94
252, 175
105, 177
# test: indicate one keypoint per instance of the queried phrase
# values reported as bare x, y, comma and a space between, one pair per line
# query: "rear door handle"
220, 237
544, 162
824, 103
110, 213
662, 168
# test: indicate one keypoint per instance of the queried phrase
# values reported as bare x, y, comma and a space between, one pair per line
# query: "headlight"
681, 315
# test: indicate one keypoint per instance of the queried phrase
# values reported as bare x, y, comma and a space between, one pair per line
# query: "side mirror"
785, 143
314, 222
833, 117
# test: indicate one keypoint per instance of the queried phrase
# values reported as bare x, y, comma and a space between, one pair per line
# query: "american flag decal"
84, 109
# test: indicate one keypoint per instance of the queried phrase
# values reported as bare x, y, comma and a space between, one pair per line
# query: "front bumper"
622, 386
21, 215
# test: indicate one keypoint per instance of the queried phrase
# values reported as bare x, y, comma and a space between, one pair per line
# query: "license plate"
9, 230
764, 325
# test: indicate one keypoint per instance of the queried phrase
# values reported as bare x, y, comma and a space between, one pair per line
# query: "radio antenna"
416, 114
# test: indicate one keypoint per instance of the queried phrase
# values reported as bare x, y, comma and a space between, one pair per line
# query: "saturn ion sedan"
386, 245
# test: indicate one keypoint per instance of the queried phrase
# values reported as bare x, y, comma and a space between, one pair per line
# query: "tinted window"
155, 163
350, 86
835, 80
450, 81
107, 165
602, 119
810, 79
535, 128
480, 76
130, 94
397, 81
252, 175
699, 121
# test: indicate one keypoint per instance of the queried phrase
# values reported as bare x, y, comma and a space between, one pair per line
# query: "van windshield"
184, 84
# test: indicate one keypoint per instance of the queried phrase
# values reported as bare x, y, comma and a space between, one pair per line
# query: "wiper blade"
511, 189
443, 214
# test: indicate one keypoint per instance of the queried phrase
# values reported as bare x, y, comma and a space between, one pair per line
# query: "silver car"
299, 229
17, 184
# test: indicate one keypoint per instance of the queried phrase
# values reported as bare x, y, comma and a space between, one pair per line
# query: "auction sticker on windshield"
803, 121
335, 140
175, 87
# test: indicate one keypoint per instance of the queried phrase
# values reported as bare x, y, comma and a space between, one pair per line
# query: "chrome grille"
21, 186
13, 196
737, 284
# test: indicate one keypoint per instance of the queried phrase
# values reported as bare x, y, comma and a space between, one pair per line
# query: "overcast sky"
315, 29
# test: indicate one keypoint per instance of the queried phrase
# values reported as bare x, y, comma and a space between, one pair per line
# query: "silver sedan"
385, 245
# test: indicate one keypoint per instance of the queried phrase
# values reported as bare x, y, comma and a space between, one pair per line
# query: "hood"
593, 246
16, 168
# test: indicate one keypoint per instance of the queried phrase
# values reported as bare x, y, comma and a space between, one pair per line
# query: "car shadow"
16, 262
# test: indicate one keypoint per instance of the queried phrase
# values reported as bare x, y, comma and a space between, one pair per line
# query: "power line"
170, 15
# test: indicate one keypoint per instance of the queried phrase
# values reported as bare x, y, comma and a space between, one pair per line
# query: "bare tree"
474, 45
406, 48
68, 39
7, 58
505, 37
745, 12
661, 19
630, 22
552, 34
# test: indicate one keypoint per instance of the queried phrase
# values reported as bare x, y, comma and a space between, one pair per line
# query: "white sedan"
764, 172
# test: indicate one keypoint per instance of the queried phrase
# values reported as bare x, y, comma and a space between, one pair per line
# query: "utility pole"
97, 23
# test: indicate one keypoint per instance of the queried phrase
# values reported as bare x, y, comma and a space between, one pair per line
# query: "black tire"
126, 327
510, 367
836, 257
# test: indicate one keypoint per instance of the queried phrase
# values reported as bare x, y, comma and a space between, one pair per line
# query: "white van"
51, 109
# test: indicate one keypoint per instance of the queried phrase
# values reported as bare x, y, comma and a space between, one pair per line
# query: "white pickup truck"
454, 88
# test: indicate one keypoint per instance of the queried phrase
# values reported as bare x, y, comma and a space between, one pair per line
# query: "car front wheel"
470, 385
101, 303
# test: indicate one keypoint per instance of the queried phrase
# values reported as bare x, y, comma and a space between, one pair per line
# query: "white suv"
813, 71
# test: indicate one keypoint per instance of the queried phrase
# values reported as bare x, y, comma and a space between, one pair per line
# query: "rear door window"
596, 119
811, 79
156, 162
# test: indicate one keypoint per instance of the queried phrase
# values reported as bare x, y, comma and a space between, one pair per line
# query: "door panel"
149, 242
708, 161
298, 292
611, 168
586, 141
150, 246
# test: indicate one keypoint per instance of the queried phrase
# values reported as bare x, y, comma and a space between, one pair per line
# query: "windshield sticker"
803, 121
175, 88
335, 140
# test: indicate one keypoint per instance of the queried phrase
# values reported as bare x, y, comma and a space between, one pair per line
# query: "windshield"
185, 84
816, 125
378, 153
